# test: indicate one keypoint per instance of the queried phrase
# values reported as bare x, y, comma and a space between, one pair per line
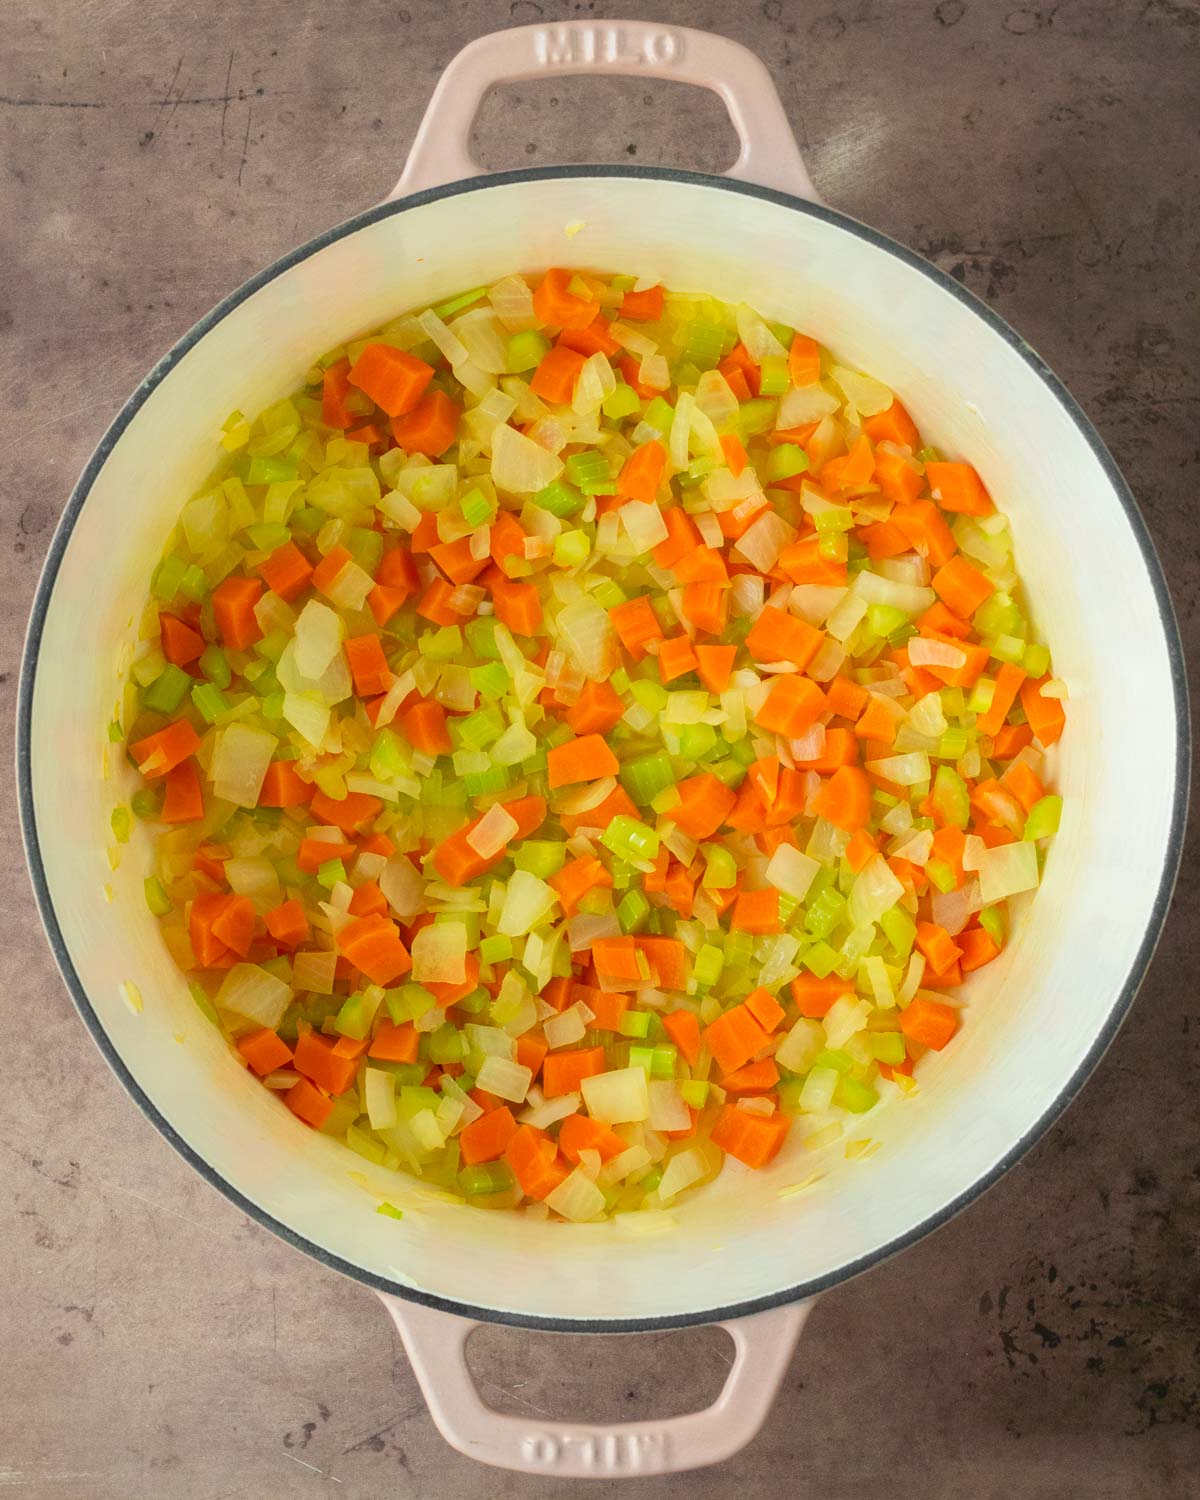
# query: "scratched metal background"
152, 155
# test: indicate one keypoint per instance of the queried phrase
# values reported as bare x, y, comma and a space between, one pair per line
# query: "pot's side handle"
769, 155
436, 1347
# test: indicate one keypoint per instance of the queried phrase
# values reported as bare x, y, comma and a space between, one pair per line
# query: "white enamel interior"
1034, 1016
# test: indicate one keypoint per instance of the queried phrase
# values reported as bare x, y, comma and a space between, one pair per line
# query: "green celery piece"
757, 416
268, 535
633, 911
211, 703
496, 949
365, 547
696, 741
491, 680
1043, 819
998, 615
630, 839
168, 690
407, 1003
1036, 660
825, 913
707, 965
145, 804
167, 577
215, 666
887, 1047
621, 403
460, 303
705, 344
366, 1145
774, 378
266, 470
646, 776
203, 1002
571, 549
525, 351
694, 1092
447, 1044
540, 857
560, 499
480, 729
942, 875
835, 1058
480, 783
635, 1023
389, 756
330, 873
441, 645
950, 797
121, 822
116, 734
820, 960
481, 637
486, 1179
389, 1210
785, 461
854, 1095
476, 507
720, 868
991, 919
899, 929
194, 585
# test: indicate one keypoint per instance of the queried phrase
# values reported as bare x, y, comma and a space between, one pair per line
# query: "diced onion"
667, 1109
519, 465
615, 1097
684, 1169
1007, 870
923, 652
506, 1079
240, 762
875, 891
250, 991
493, 831
576, 1198
439, 953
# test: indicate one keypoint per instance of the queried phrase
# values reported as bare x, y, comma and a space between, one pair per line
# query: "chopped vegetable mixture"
592, 734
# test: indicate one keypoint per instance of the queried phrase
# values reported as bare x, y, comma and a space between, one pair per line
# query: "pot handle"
436, 1346
769, 156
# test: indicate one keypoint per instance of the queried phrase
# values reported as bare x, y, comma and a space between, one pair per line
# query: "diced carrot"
636, 623
616, 958
283, 786
804, 360
883, 540
554, 302
287, 572
394, 1043
667, 959
233, 925
682, 538
326, 572
517, 605
706, 605
929, 1022
1045, 715
860, 849
899, 479
642, 472
372, 944
803, 562
681, 889
893, 426
596, 338
853, 470
815, 996
180, 643
967, 675
765, 1009
209, 860
207, 948
702, 565
754, 1078
563, 1072
435, 603
1020, 780
938, 620
377, 843
1009, 680
507, 538
558, 993
316, 1059
957, 487
740, 361
532, 1155
335, 387
961, 587
484, 1139
457, 561
735, 454
877, 722
183, 801
448, 992
618, 802
308, 1103
703, 804
531, 1053
349, 813
581, 1133
576, 879
647, 305
949, 844
368, 901
978, 948
792, 705
598, 709
529, 813
163, 750
288, 924
735, 379
264, 1051
424, 726
683, 1028
233, 602
608, 1007
368, 665
845, 799
937, 945
754, 1140
846, 699
424, 534
757, 912
676, 657
394, 379
1011, 739
368, 433
555, 377
715, 666
587, 758
430, 427
925, 527
734, 1037
779, 636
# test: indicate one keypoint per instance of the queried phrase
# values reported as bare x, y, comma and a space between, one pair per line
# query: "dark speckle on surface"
1045, 1345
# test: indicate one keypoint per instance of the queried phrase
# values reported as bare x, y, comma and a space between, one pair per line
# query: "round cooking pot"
750, 1251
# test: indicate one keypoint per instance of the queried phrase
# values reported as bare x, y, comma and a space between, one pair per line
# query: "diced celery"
991, 919
941, 874
705, 344
773, 375
145, 804
525, 351
854, 1095
330, 873
167, 577
121, 823
784, 461
486, 1179
707, 966
571, 549
168, 690
950, 797
389, 1210
156, 896
210, 702
541, 857
694, 1092
442, 645
1036, 659
635, 1023
460, 303
633, 911
630, 839
621, 403
899, 929
820, 959
215, 666
480, 783
887, 1046
757, 415
659, 414
825, 913
481, 637
590, 471
560, 499
476, 507
646, 776
1043, 819
365, 547
496, 949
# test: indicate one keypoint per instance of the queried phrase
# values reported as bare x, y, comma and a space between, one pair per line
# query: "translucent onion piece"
483, 337
927, 653
615, 1097
512, 299
240, 762
521, 466
318, 639
439, 953
760, 342
763, 541
493, 831
577, 1198
250, 991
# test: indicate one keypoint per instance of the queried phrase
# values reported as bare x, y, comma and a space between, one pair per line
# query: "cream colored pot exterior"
1039, 1017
